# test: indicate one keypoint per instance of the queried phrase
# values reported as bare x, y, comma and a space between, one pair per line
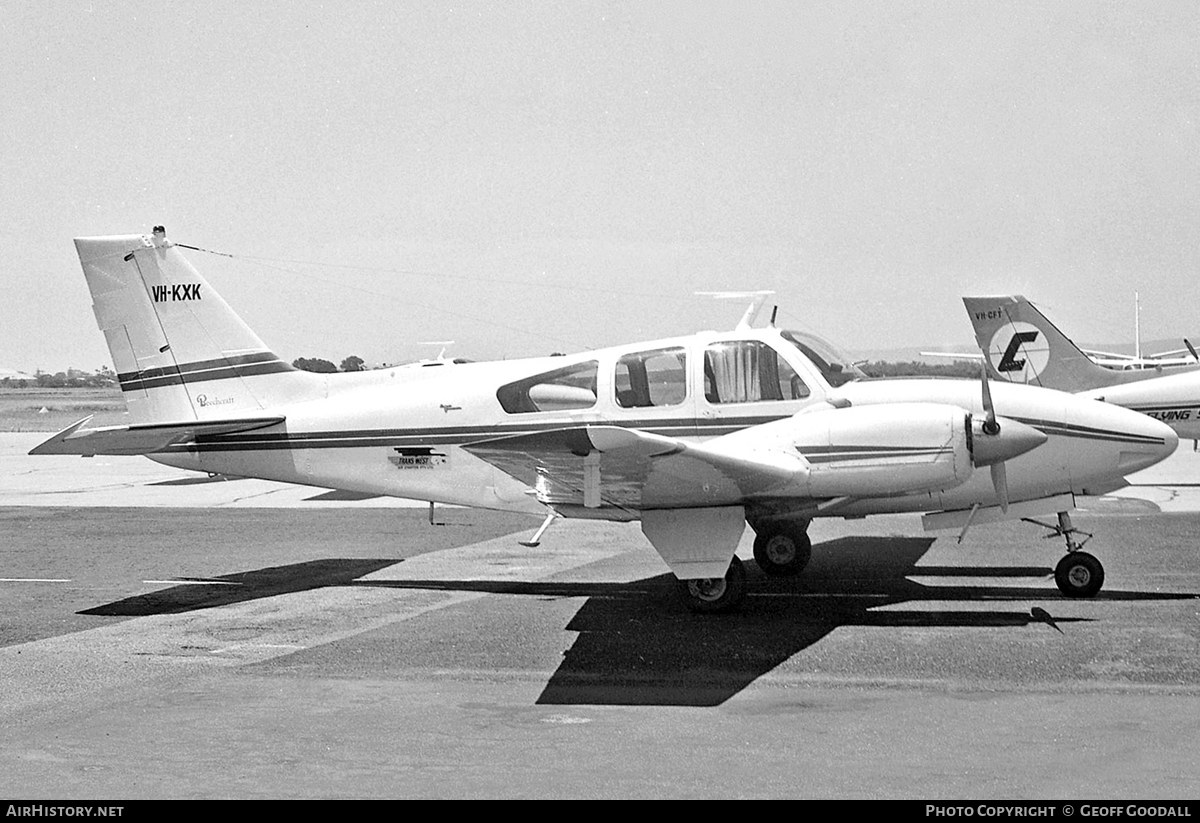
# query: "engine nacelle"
873, 451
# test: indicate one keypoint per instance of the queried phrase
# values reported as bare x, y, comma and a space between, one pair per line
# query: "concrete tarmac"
164, 635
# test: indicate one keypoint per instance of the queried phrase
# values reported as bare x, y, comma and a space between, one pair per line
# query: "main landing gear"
715, 594
1079, 574
781, 549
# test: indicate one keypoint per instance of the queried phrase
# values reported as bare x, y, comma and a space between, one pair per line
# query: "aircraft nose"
1158, 443
1117, 442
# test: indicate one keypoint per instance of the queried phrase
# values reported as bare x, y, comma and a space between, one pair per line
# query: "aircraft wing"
1183, 355
1109, 355
143, 439
633, 470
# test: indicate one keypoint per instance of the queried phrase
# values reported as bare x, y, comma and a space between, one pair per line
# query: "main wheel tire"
715, 594
782, 553
1079, 575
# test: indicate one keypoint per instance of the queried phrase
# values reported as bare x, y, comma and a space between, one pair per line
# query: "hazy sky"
525, 177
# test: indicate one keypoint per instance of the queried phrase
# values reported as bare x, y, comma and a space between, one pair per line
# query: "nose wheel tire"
1079, 575
715, 594
782, 553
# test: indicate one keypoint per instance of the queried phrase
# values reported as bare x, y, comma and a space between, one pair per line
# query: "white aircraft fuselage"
694, 436
401, 431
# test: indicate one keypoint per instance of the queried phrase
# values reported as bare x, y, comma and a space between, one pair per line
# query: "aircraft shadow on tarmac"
196, 481
240, 587
638, 645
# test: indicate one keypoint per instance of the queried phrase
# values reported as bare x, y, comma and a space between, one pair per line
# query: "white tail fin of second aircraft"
1022, 346
179, 351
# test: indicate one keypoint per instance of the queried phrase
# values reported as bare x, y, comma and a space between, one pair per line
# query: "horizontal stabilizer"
143, 439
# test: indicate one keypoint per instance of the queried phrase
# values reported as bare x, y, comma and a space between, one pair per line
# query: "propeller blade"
1000, 483
990, 426
995, 447
1192, 349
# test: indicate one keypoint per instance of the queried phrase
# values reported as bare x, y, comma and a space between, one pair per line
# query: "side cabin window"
651, 378
749, 371
571, 387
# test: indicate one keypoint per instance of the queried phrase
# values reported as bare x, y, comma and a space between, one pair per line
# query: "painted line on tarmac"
193, 582
829, 595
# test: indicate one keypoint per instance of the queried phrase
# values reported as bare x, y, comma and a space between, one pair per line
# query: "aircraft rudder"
179, 350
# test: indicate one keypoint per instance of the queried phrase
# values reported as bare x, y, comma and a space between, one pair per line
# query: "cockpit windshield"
836, 367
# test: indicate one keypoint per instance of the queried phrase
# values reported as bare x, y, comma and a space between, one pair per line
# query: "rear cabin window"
749, 371
651, 378
571, 387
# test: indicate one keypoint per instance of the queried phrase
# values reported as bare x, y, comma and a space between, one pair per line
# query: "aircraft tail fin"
179, 351
1021, 345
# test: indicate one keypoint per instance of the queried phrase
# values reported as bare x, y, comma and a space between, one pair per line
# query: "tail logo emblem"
1009, 361
1018, 352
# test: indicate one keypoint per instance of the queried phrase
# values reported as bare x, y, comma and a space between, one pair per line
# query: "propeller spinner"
998, 439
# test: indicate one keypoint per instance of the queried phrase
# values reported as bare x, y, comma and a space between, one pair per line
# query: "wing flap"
143, 439
637, 470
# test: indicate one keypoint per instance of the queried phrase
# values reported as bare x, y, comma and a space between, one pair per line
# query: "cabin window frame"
519, 396
641, 385
737, 372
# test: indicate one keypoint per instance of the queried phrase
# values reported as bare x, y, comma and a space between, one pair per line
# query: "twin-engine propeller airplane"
693, 436
1022, 345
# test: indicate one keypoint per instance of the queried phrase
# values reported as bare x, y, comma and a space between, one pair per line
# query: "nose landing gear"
1079, 574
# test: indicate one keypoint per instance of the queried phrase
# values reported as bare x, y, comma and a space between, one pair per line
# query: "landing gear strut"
782, 549
1079, 574
715, 594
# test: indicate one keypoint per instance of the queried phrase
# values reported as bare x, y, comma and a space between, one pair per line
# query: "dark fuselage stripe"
1050, 427
866, 453
200, 371
676, 427
453, 435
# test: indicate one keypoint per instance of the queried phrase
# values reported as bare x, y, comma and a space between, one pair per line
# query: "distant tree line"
72, 378
316, 364
915, 368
